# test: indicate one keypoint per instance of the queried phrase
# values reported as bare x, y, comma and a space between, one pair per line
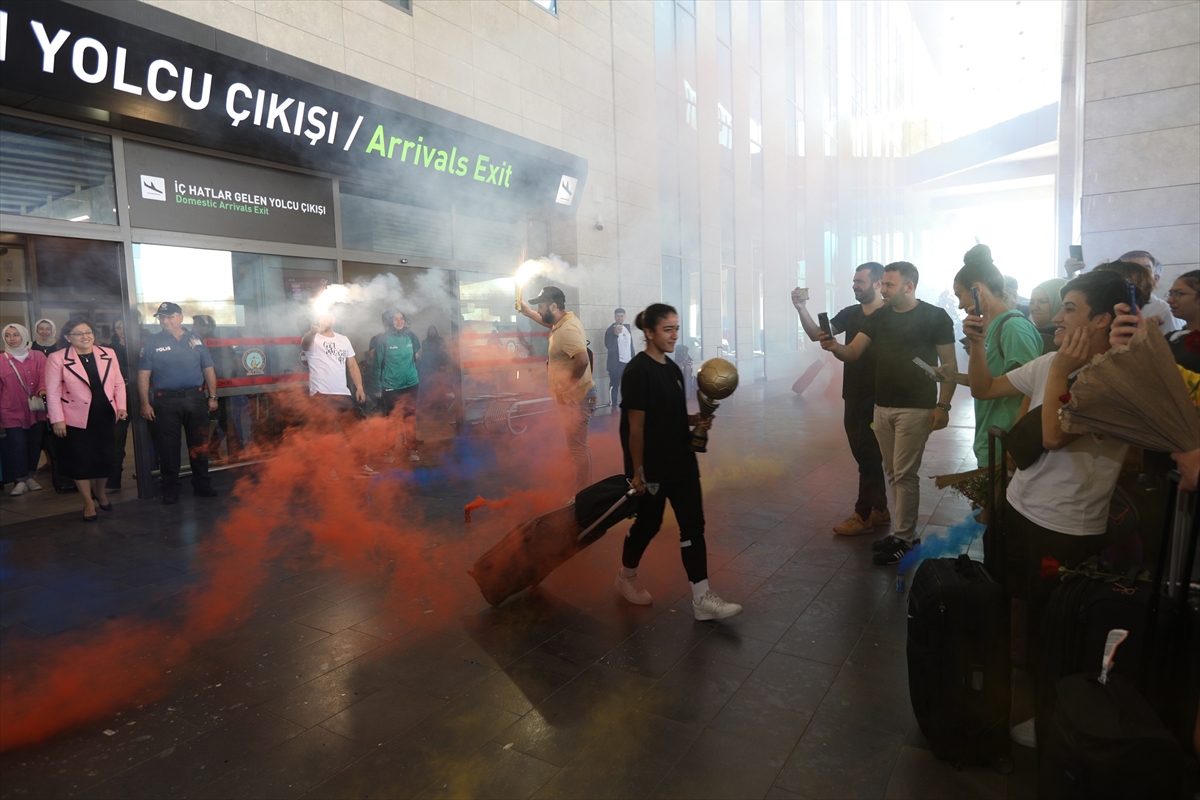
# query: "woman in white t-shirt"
1058, 505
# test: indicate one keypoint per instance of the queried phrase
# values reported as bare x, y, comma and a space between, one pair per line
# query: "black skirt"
89, 451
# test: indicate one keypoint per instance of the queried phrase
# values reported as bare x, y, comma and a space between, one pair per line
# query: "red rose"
1191, 343
1050, 567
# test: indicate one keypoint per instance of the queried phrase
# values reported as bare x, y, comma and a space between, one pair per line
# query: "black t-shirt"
858, 377
657, 389
896, 338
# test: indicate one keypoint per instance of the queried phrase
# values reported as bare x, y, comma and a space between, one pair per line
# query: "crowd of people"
64, 397
1020, 370
67, 395
57, 390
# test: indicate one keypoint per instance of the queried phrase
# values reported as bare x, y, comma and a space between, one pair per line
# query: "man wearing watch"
908, 406
175, 370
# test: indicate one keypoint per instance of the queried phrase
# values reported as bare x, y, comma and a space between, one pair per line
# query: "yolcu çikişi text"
92, 62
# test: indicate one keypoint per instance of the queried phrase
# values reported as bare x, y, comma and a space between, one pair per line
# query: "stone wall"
1141, 132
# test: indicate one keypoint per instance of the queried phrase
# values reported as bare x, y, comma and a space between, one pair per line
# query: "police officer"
173, 370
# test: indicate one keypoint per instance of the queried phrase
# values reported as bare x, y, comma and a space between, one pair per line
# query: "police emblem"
254, 361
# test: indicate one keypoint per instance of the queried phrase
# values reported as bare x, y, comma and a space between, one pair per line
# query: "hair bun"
979, 254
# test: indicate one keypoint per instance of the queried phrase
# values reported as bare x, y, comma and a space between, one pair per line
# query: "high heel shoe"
103, 507
92, 518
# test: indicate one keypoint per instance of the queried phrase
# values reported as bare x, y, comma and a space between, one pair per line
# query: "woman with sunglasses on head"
656, 437
85, 396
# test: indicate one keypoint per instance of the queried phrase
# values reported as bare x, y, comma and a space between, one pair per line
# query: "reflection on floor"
565, 692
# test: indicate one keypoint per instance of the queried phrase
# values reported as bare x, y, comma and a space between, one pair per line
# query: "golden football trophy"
715, 381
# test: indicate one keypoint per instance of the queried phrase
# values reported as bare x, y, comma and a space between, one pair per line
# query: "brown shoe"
853, 526
880, 518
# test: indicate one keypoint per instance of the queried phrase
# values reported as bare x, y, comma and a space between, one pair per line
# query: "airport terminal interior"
337, 407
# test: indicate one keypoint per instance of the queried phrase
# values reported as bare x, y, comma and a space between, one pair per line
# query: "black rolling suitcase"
1083, 609
1106, 740
958, 665
533, 549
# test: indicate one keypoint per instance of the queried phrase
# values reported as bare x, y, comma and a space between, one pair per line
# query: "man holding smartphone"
907, 405
858, 393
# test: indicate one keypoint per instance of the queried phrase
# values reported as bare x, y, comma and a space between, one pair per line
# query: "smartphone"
932, 372
1133, 298
1076, 251
975, 294
823, 321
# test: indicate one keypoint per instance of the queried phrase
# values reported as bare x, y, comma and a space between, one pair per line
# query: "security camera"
599, 224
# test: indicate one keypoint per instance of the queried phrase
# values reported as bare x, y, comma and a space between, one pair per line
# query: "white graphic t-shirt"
327, 364
624, 345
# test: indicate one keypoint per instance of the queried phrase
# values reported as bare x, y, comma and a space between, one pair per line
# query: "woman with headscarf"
22, 378
1045, 301
45, 337
85, 396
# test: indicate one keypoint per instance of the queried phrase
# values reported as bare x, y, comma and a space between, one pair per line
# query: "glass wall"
679, 181
55, 172
251, 309
383, 221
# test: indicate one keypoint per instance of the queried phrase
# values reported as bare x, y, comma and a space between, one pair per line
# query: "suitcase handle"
1149, 650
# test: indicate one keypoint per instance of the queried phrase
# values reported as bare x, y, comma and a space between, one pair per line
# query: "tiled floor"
341, 676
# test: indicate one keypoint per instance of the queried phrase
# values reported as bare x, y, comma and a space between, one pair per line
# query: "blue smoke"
953, 542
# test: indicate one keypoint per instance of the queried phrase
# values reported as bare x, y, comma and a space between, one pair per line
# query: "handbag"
36, 403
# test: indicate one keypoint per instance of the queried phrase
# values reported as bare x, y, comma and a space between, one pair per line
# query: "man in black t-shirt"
858, 392
907, 404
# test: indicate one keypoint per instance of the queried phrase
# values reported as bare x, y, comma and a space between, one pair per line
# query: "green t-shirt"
395, 361
1011, 341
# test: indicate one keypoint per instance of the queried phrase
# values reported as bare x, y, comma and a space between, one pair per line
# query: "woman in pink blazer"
85, 396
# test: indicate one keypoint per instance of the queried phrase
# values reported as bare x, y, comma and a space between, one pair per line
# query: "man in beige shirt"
570, 375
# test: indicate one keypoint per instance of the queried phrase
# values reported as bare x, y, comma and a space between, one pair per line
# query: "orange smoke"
304, 499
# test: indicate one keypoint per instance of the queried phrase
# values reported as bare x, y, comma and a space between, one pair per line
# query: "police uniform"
176, 369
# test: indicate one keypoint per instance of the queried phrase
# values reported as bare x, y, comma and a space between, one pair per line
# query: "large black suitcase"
1105, 741
1083, 609
1078, 618
533, 549
958, 665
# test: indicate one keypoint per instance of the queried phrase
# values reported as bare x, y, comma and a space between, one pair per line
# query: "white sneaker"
713, 607
632, 590
413, 455
33, 485
19, 489
366, 472
389, 457
1024, 734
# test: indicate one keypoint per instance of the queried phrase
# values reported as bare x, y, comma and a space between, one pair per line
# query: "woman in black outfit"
656, 437
85, 396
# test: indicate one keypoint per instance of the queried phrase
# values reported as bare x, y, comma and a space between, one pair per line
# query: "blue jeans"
24, 446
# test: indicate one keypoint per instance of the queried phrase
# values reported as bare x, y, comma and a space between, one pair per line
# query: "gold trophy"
715, 381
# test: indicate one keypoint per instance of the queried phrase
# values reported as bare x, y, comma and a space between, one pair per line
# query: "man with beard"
907, 406
858, 392
570, 375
